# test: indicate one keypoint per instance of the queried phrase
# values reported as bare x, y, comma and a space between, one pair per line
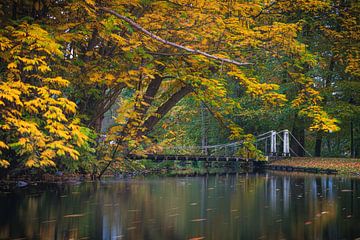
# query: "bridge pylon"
273, 150
286, 143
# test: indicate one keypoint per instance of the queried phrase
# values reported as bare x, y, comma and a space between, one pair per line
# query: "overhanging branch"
159, 39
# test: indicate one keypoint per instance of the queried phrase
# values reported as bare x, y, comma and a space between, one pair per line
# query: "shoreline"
342, 167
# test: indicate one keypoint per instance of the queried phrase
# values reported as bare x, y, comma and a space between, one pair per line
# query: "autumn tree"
139, 56
37, 122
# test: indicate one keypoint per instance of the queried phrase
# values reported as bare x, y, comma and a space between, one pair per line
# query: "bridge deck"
160, 157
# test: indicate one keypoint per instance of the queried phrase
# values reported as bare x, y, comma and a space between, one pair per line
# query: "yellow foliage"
33, 109
3, 145
4, 163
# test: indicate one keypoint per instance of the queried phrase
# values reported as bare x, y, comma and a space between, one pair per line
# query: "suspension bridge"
272, 144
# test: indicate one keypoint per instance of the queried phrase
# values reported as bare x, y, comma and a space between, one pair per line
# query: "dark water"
244, 206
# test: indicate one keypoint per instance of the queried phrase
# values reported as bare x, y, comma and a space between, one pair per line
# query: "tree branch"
166, 107
159, 39
264, 9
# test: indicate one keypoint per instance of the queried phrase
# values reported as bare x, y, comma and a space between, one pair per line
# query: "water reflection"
244, 206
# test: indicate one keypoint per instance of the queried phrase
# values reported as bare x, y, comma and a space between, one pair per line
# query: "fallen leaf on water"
174, 215
73, 215
198, 220
49, 221
346, 190
308, 222
196, 238
325, 212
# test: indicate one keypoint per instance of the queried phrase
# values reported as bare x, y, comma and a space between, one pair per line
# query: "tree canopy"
65, 64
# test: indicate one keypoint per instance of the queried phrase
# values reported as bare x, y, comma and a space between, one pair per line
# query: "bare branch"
159, 39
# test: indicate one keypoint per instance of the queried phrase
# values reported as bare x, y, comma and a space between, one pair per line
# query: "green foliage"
67, 63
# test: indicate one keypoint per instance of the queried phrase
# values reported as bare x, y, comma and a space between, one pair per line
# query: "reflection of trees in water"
222, 207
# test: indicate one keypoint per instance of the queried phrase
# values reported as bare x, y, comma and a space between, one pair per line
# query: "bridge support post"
273, 143
286, 146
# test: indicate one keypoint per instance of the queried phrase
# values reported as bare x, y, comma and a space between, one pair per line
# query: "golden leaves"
265, 91
33, 109
3, 145
4, 163
320, 119
5, 43
353, 62
12, 65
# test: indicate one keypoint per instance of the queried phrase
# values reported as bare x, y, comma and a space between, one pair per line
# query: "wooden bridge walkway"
161, 157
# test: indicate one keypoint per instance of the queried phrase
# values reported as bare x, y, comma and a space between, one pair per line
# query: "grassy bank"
344, 166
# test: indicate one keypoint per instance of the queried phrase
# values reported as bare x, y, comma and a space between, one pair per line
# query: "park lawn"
345, 166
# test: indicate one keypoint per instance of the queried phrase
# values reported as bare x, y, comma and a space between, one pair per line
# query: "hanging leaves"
35, 119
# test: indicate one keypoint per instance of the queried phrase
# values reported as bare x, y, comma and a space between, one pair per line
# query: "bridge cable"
300, 144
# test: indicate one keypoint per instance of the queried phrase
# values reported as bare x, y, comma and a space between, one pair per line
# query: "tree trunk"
165, 107
150, 93
318, 144
352, 147
357, 143
328, 143
204, 128
298, 132
14, 10
98, 123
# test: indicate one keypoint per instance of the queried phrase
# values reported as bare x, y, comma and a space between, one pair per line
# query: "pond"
271, 205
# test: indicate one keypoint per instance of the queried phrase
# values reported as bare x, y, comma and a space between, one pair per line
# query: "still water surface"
243, 206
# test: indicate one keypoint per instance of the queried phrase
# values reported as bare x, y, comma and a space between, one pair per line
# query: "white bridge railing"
267, 141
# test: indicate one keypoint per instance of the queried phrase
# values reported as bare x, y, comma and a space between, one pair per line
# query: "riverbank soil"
344, 166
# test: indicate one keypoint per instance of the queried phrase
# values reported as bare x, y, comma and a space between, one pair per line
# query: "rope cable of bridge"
263, 138
300, 144
263, 134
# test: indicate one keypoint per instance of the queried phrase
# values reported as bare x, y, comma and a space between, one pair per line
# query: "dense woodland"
176, 73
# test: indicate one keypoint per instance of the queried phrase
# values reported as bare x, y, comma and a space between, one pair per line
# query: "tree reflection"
243, 206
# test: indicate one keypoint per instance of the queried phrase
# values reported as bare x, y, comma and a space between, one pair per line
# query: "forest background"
83, 82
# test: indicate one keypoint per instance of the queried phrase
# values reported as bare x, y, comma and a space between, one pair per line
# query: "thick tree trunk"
165, 107
142, 108
352, 146
100, 108
328, 143
318, 144
150, 93
14, 10
98, 123
299, 133
357, 143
